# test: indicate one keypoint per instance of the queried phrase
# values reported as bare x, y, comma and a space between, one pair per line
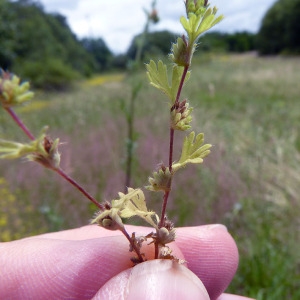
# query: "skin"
94, 263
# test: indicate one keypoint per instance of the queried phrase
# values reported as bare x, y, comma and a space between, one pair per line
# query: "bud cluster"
181, 116
11, 91
161, 180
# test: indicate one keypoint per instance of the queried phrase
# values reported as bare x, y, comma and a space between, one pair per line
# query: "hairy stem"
20, 123
133, 245
171, 146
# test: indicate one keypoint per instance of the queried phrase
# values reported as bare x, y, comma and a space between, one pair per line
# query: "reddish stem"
133, 245
80, 188
20, 123
185, 70
59, 171
167, 193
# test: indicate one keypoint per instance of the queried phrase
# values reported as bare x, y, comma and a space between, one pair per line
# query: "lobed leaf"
133, 204
192, 151
158, 77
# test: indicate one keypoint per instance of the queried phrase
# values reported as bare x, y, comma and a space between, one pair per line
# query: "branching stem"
133, 245
172, 132
79, 187
20, 123
58, 170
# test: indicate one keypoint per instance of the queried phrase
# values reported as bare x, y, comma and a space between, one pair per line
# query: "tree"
6, 35
158, 42
100, 52
40, 46
280, 29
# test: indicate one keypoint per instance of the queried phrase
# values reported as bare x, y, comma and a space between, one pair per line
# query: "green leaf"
13, 150
208, 21
192, 151
158, 77
41, 150
196, 24
133, 204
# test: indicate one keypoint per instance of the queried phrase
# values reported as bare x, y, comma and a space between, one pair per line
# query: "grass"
248, 108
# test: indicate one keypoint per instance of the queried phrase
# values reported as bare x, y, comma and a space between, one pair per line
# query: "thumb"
155, 279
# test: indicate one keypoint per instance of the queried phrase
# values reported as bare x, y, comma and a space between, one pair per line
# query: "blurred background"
85, 61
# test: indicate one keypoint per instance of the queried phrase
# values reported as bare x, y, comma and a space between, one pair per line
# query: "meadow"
249, 109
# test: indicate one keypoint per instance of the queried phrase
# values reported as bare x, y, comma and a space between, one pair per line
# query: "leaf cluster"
42, 150
193, 152
128, 205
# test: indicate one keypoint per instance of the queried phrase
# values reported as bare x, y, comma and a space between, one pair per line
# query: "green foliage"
238, 42
199, 21
158, 77
7, 35
49, 74
41, 150
161, 180
192, 151
268, 243
12, 92
280, 29
32, 39
155, 43
128, 205
99, 51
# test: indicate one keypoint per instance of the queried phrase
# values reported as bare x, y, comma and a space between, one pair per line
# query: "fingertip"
211, 254
156, 279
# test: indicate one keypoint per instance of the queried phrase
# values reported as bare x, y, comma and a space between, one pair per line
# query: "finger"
209, 250
211, 254
156, 279
83, 233
233, 297
57, 269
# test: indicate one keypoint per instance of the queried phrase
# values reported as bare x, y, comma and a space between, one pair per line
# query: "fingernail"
164, 279
217, 226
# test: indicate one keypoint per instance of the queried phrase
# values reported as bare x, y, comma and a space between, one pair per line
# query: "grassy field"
248, 108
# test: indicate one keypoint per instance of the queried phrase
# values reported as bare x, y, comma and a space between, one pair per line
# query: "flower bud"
11, 91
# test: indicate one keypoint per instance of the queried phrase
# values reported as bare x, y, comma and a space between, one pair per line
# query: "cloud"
118, 21
54, 5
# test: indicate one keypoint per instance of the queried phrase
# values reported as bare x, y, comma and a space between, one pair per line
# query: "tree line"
41, 47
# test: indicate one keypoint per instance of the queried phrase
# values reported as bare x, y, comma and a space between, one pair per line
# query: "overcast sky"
118, 21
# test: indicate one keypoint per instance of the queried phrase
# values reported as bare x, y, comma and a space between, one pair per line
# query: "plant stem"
185, 70
130, 116
59, 171
172, 133
133, 245
79, 187
20, 123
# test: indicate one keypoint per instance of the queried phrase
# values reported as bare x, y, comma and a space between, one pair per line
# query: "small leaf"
192, 151
133, 204
199, 22
158, 77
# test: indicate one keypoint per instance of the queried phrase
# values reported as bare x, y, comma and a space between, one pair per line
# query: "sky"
118, 21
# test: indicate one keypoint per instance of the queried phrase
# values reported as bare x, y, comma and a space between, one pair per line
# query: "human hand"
93, 262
